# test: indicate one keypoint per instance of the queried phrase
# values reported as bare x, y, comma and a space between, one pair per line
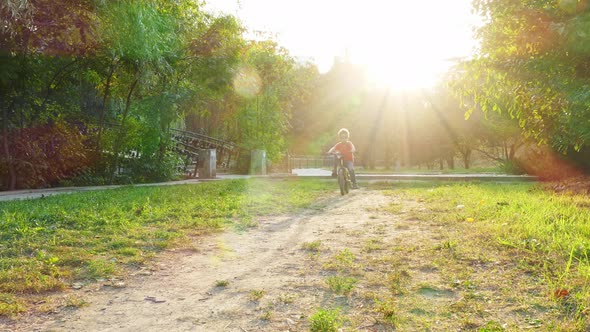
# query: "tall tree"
43, 45
533, 65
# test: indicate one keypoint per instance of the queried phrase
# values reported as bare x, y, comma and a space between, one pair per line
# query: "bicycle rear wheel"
342, 182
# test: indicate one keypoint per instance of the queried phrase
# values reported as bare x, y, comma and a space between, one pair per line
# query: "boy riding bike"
346, 149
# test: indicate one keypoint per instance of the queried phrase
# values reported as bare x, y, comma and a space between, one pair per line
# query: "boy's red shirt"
345, 149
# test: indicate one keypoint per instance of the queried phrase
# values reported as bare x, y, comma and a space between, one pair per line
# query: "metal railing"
310, 161
188, 143
212, 142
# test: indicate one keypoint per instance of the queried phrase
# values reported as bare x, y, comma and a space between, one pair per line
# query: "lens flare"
247, 82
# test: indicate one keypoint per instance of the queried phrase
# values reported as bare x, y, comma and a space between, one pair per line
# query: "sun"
410, 44
401, 72
403, 44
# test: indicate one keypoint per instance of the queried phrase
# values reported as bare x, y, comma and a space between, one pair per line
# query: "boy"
346, 150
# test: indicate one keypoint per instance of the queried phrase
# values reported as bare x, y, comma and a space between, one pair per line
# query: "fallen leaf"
561, 293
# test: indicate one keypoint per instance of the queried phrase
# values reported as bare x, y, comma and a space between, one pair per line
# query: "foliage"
532, 66
340, 284
147, 169
45, 154
128, 71
400, 128
138, 31
268, 88
326, 320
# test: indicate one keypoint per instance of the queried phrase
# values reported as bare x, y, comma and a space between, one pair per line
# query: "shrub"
43, 156
326, 320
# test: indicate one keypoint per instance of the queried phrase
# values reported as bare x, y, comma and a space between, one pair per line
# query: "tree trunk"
107, 90
10, 164
121, 136
466, 158
52, 80
513, 148
164, 128
451, 162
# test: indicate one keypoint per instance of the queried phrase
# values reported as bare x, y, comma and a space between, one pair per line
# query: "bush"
512, 167
541, 161
43, 156
149, 169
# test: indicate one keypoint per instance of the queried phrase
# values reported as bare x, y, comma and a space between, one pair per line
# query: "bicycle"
343, 175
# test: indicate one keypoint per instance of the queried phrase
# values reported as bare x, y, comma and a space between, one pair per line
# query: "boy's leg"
350, 167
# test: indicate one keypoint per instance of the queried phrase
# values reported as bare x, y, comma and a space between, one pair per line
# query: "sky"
408, 41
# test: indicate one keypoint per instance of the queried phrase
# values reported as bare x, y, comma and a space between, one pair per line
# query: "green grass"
497, 245
342, 261
545, 235
11, 305
341, 285
222, 283
515, 215
256, 294
312, 246
387, 311
47, 244
344, 258
485, 257
324, 320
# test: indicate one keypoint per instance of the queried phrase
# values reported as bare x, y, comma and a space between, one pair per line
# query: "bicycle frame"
344, 180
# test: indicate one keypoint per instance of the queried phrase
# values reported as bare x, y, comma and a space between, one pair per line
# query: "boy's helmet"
343, 131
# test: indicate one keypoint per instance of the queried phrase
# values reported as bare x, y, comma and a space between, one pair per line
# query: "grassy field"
48, 244
488, 257
519, 241
501, 246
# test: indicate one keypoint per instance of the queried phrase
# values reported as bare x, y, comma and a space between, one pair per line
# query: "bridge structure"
189, 144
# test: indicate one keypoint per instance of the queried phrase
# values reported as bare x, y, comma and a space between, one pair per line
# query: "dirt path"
273, 282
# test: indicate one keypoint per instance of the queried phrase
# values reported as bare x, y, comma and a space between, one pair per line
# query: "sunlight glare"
402, 43
409, 44
404, 73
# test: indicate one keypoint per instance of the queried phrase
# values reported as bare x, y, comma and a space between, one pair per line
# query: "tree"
532, 65
43, 45
213, 56
115, 76
265, 84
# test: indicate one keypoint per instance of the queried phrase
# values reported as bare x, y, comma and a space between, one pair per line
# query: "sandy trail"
266, 262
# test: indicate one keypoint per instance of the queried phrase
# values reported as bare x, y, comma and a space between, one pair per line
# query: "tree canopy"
105, 81
98, 85
533, 65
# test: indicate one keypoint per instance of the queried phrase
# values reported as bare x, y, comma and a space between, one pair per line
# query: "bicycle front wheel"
348, 180
342, 182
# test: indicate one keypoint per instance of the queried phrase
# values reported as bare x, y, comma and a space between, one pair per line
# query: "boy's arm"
332, 149
352, 148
